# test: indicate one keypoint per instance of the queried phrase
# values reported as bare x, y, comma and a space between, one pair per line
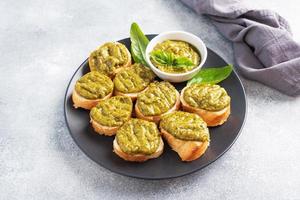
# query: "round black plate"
168, 165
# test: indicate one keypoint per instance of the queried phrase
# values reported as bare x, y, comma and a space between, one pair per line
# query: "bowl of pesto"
176, 56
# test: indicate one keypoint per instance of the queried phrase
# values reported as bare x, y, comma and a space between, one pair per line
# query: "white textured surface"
41, 45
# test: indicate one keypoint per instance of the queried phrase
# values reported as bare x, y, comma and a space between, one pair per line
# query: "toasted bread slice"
187, 150
81, 102
156, 118
133, 80
137, 157
212, 118
127, 64
104, 130
105, 124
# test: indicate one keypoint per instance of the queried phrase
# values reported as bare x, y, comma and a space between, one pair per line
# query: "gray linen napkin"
262, 41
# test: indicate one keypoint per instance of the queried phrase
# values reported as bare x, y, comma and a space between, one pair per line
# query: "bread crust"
137, 157
128, 64
212, 118
104, 130
187, 150
81, 102
157, 118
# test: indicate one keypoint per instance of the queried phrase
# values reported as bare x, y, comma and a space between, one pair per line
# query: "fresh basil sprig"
211, 75
139, 43
168, 59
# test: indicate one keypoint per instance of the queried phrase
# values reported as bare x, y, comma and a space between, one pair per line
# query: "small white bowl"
177, 35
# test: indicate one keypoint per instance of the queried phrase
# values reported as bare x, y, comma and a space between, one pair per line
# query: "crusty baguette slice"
212, 118
127, 64
137, 157
81, 102
187, 150
104, 130
156, 118
133, 96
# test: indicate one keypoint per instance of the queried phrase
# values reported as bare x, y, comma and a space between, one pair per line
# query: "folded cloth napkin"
262, 40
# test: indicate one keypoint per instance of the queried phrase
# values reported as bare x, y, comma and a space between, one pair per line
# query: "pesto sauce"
138, 136
179, 49
206, 96
113, 111
108, 57
157, 99
94, 85
185, 126
133, 79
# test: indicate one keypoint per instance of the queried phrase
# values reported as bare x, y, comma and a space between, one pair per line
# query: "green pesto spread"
108, 57
157, 99
206, 96
138, 136
185, 126
94, 85
133, 79
178, 49
113, 111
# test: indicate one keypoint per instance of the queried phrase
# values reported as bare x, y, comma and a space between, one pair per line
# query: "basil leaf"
211, 75
159, 57
183, 61
139, 43
168, 59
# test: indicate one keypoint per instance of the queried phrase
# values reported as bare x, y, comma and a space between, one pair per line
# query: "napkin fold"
262, 40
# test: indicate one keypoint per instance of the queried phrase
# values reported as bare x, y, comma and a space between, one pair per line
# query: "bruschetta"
211, 102
110, 58
90, 89
186, 133
138, 140
159, 99
133, 80
110, 114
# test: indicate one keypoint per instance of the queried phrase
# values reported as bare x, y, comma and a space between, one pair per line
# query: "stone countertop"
42, 44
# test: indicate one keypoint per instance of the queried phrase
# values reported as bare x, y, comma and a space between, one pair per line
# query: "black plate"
168, 165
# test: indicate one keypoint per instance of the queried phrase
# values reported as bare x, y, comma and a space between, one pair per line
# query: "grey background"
41, 45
